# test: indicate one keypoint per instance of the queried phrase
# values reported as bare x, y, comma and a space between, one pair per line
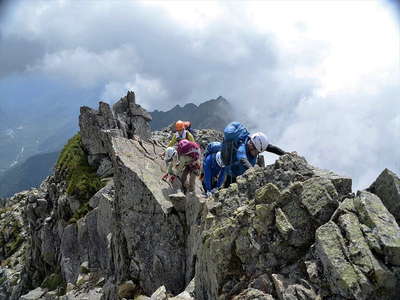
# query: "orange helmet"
179, 125
187, 124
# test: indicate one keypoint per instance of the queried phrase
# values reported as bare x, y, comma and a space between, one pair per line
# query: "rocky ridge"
285, 231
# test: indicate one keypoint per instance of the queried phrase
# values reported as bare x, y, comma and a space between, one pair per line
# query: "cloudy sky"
318, 77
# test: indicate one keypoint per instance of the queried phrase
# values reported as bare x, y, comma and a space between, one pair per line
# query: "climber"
246, 155
171, 158
214, 173
188, 127
188, 164
180, 134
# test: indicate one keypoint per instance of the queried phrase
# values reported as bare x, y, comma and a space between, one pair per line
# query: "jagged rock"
125, 119
92, 294
146, 217
320, 198
41, 208
387, 188
287, 289
35, 294
179, 201
267, 194
253, 294
342, 183
160, 294
284, 205
105, 168
374, 214
70, 253
343, 278
132, 117
362, 256
142, 297
106, 194
282, 224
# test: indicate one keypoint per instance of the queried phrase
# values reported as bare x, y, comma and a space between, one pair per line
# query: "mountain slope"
215, 114
27, 174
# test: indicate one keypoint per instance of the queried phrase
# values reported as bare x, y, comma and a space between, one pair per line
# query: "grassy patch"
5, 209
52, 282
82, 180
81, 212
10, 236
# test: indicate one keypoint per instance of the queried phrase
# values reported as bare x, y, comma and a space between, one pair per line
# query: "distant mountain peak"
213, 113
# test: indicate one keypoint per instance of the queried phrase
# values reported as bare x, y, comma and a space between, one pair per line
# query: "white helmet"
170, 152
218, 158
260, 141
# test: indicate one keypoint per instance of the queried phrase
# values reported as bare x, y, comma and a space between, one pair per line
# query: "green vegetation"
82, 180
5, 209
10, 236
52, 282
80, 212
16, 243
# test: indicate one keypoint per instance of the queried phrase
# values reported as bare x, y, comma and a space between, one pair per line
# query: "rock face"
284, 231
387, 188
297, 239
125, 119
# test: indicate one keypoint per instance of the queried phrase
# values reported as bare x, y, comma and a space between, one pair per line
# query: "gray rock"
361, 255
253, 294
125, 119
342, 184
35, 294
159, 294
343, 278
41, 208
374, 214
146, 218
106, 194
287, 289
320, 198
387, 188
105, 168
70, 261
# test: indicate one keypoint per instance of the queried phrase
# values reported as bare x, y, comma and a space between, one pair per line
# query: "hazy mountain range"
215, 114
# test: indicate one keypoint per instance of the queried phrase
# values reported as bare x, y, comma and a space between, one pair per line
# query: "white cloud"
357, 135
87, 69
150, 91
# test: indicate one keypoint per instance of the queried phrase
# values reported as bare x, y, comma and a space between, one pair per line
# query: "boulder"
387, 188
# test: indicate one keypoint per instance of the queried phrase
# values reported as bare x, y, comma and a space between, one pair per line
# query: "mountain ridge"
213, 113
284, 231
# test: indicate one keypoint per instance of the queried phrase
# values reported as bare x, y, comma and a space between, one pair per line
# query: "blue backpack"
212, 147
234, 135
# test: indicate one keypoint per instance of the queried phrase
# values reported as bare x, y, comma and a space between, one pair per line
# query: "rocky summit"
105, 226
